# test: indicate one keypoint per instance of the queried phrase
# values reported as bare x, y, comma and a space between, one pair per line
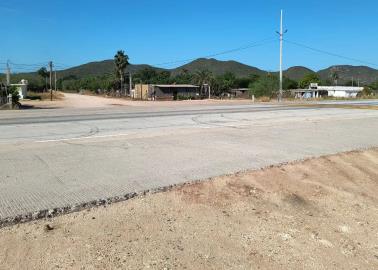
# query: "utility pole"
50, 66
130, 83
208, 89
8, 73
55, 80
281, 34
121, 84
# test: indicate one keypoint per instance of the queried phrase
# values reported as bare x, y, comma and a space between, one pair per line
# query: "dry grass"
264, 99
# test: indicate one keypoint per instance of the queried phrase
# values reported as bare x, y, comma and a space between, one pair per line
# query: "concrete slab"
49, 164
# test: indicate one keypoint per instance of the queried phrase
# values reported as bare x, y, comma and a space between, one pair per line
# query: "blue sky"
153, 32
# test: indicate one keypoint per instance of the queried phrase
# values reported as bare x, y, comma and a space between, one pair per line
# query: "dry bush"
57, 95
264, 99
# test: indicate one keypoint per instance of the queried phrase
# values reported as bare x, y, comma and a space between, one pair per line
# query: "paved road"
55, 158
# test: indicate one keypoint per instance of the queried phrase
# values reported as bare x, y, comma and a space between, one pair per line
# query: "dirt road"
317, 214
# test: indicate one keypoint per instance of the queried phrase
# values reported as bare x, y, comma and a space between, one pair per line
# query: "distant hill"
297, 73
98, 68
218, 67
365, 74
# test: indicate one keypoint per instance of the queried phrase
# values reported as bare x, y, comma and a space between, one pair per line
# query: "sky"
156, 32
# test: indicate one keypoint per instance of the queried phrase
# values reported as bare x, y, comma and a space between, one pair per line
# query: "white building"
316, 91
22, 88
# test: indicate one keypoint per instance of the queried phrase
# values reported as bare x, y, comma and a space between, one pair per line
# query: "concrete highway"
52, 158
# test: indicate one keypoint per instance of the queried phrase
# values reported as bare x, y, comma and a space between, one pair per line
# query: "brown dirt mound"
318, 214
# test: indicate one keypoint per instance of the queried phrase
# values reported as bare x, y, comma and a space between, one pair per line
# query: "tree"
223, 83
308, 79
147, 75
121, 60
184, 77
265, 86
335, 77
163, 77
367, 91
15, 94
374, 85
202, 77
289, 84
229, 80
44, 74
244, 82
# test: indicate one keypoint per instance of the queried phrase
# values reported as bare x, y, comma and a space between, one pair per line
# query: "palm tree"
121, 60
44, 74
202, 77
335, 77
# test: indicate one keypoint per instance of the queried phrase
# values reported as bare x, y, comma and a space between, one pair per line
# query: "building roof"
176, 86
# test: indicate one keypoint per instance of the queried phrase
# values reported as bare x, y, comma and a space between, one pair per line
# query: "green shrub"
265, 86
184, 97
15, 95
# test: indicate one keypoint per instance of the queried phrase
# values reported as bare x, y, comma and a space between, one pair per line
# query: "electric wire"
330, 53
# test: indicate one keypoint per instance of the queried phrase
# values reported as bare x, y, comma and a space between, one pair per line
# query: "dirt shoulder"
77, 101
90, 101
318, 214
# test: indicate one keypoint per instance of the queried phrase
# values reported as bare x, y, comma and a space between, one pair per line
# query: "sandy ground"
318, 214
77, 101
88, 101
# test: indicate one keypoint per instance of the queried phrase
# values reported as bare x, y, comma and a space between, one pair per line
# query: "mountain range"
346, 73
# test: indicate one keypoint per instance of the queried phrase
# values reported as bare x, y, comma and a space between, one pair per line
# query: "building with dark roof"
165, 91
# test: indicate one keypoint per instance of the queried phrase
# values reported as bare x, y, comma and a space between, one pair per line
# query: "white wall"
339, 93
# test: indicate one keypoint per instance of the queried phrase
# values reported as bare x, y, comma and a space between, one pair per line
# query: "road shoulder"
319, 213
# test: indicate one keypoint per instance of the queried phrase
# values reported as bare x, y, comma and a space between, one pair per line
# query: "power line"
251, 45
27, 67
330, 53
30, 65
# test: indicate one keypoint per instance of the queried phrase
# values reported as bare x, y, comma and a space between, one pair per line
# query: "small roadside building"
317, 91
165, 91
141, 91
22, 88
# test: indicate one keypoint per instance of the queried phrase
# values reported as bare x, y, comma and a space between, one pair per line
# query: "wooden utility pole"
130, 83
8, 73
55, 80
121, 84
50, 66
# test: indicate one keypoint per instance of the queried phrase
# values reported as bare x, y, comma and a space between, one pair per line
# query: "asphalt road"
59, 157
